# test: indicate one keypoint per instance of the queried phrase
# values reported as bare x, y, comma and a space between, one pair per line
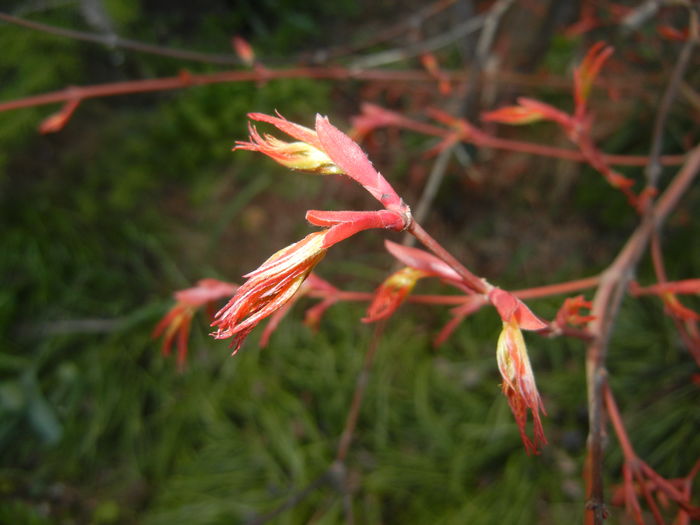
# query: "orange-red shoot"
268, 288
273, 284
570, 312
392, 293
586, 73
514, 364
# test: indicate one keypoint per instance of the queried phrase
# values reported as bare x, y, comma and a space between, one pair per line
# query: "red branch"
186, 79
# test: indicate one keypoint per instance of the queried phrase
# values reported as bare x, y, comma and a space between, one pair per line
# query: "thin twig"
547, 290
615, 280
187, 79
358, 395
430, 189
437, 173
412, 21
113, 41
336, 474
338, 468
318, 56
447, 38
638, 16
653, 170
606, 304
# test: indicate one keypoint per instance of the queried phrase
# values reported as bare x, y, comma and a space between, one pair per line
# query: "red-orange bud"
294, 155
586, 73
514, 115
569, 313
519, 384
268, 288
244, 50
392, 293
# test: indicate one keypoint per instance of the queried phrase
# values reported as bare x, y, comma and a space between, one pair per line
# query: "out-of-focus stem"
558, 288
358, 395
653, 169
606, 303
456, 300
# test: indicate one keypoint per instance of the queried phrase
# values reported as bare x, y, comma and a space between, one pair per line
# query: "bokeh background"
140, 195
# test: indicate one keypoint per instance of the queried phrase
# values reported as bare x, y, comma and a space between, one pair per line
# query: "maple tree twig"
653, 169
606, 304
112, 40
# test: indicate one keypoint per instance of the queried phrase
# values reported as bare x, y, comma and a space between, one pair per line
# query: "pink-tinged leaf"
370, 219
548, 112
422, 260
506, 303
373, 117
346, 154
510, 307
342, 231
207, 290
514, 115
292, 129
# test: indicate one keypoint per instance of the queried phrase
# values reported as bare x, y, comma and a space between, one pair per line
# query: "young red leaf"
514, 115
346, 154
422, 260
392, 293
347, 223
519, 384
586, 73
511, 308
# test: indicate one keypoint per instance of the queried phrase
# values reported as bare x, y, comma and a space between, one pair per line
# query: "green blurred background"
140, 195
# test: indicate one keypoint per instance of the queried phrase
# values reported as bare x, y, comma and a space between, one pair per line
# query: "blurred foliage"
140, 195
